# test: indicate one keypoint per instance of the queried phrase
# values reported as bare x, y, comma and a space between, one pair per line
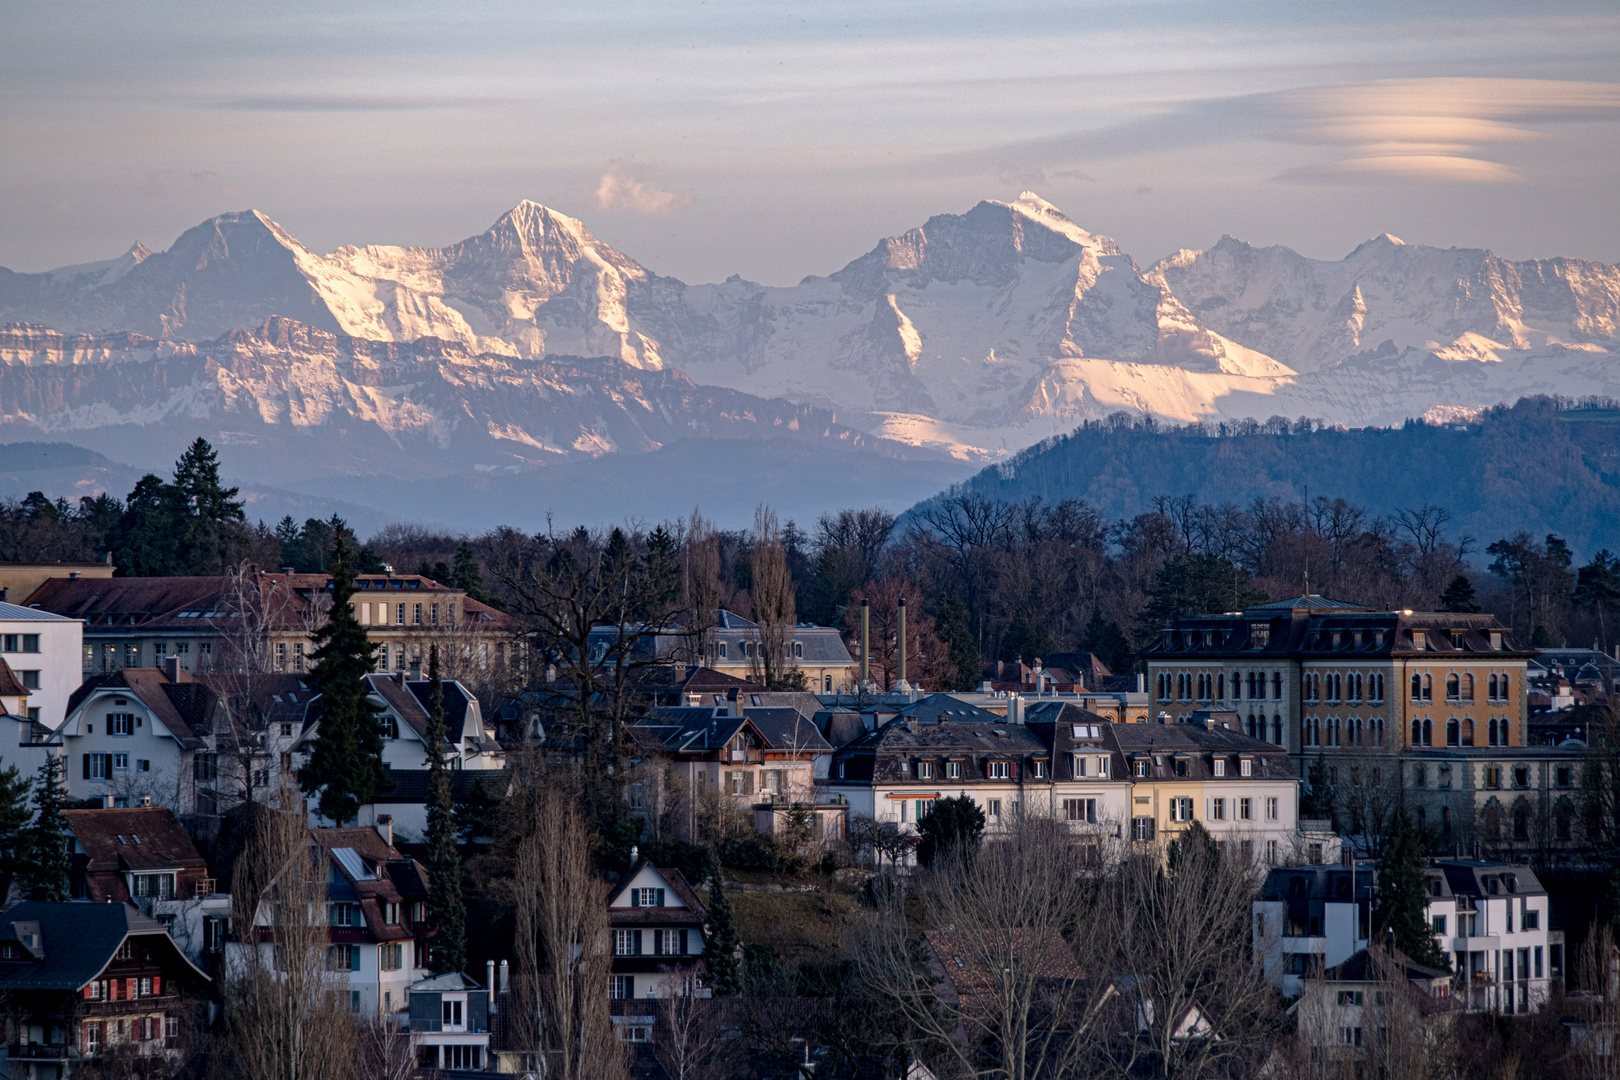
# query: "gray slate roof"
78, 940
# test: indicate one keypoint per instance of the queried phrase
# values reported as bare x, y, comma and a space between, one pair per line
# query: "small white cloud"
626, 186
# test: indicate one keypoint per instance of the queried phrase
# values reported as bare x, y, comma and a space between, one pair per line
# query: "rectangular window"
433, 614
997, 770
1246, 767
992, 808
1102, 766
97, 766
341, 914
925, 770
298, 656
646, 897
120, 762
1181, 809
416, 614
627, 943
1142, 829
343, 957
1245, 809
1217, 809
953, 770
392, 956
669, 942
1080, 810
1039, 769
1530, 920
1271, 809
120, 723
1220, 766
30, 679
452, 1014
622, 987
1271, 853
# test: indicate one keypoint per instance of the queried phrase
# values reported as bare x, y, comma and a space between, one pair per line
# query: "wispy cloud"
625, 185
343, 103
161, 183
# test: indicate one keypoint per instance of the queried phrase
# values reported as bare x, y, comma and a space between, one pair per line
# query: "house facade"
85, 981
732, 647
42, 649
1375, 1006
1131, 783
659, 930
1319, 676
1491, 919
450, 1022
266, 621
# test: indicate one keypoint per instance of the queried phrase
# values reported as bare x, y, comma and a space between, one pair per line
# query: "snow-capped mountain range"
974, 334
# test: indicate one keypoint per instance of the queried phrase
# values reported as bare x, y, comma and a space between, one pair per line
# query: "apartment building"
1320, 676
1143, 783
1491, 919
265, 621
42, 650
732, 647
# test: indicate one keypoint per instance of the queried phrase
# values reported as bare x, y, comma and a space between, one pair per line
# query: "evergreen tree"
47, 873
1459, 595
725, 977
951, 624
1597, 588
1105, 640
466, 576
16, 839
1403, 893
948, 824
1320, 798
1191, 585
447, 915
1026, 641
345, 764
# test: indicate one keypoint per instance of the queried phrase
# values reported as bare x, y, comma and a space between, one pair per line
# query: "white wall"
60, 663
167, 779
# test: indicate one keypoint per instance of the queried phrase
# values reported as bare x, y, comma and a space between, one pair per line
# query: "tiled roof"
139, 838
186, 707
787, 729
10, 685
411, 785
672, 877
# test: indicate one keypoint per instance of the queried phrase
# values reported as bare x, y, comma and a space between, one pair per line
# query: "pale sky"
777, 140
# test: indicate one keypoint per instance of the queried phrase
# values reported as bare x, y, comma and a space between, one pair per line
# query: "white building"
1491, 919
44, 651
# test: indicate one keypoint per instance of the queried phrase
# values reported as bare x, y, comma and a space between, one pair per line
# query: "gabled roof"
452, 982
708, 680
373, 873
787, 729
730, 620
186, 707
76, 942
672, 878
10, 685
944, 708
139, 838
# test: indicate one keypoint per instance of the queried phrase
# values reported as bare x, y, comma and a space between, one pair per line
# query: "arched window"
1490, 686
1375, 689
1251, 725
1468, 688
1492, 820
1276, 685
1492, 726
1220, 685
1276, 729
1428, 688
1305, 731
1521, 820
1417, 732
1453, 732
1504, 686
1428, 732
1417, 688
1453, 688
1502, 732
1377, 726
1467, 731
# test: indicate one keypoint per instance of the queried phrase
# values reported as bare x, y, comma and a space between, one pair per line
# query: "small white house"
141, 734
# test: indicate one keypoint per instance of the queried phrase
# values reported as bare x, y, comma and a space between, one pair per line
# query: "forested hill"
1540, 466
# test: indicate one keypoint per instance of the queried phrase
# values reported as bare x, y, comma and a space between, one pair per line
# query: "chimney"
866, 634
733, 702
506, 977
902, 685
106, 802
489, 983
385, 828
287, 570
73, 575
416, 669
171, 668
1141, 682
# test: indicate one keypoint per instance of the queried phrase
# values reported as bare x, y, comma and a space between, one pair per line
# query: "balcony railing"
33, 1051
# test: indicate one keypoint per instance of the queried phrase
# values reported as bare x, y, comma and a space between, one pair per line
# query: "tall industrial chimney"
866, 636
902, 685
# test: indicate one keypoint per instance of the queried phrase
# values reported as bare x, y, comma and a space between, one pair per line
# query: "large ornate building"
1317, 675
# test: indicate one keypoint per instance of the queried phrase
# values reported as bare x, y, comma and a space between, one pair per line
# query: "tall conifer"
48, 873
725, 976
345, 765
447, 915
1403, 894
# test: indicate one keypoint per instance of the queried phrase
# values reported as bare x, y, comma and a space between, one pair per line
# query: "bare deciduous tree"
772, 594
286, 1015
562, 946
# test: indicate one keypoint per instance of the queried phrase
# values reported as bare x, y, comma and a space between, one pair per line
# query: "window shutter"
157, 986
635, 897
87, 766
748, 783
661, 898
354, 958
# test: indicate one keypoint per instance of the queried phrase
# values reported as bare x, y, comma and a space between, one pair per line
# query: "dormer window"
953, 770
1420, 640
1219, 765
1181, 766
925, 770
1038, 769
1141, 767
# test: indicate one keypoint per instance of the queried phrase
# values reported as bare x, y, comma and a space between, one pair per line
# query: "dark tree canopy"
47, 874
345, 764
1403, 895
948, 825
447, 914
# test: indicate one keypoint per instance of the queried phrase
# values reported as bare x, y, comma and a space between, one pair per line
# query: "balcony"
32, 1051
